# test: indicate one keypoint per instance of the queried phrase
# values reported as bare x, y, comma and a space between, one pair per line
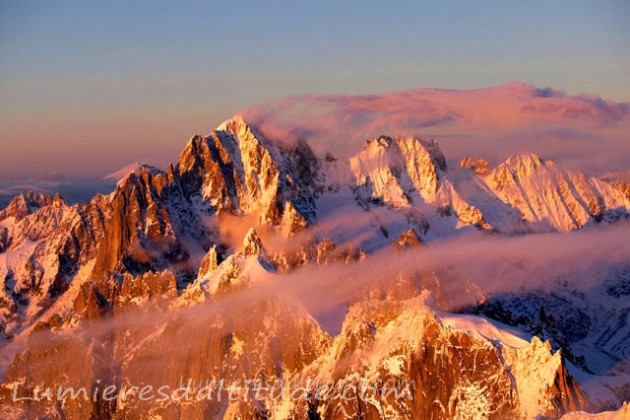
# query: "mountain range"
258, 259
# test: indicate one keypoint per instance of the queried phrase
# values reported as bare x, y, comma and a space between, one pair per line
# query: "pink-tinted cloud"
491, 122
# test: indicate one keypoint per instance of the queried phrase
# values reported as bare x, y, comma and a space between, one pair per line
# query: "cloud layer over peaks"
583, 130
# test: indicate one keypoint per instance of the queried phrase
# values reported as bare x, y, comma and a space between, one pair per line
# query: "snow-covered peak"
408, 172
393, 167
234, 124
553, 198
122, 172
230, 123
246, 136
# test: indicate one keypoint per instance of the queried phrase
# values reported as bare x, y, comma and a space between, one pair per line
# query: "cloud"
490, 122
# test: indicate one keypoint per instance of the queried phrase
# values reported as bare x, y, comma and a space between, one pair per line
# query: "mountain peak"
407, 239
146, 174
524, 157
554, 198
25, 203
236, 119
252, 245
209, 263
237, 170
406, 170
524, 163
236, 126
123, 172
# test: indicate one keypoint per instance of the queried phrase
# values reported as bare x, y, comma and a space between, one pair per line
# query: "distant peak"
122, 172
144, 168
387, 141
405, 148
35, 197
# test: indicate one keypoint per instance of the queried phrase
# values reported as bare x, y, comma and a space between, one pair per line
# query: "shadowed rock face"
90, 304
4, 239
148, 215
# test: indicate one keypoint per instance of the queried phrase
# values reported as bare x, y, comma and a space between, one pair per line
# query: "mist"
467, 271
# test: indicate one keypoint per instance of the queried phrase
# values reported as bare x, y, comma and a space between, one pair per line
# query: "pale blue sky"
132, 80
